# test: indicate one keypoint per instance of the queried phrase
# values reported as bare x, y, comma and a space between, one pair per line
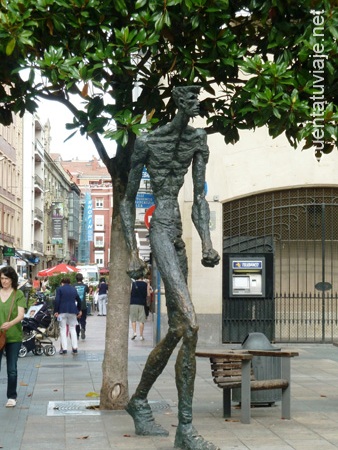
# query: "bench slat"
227, 373
238, 355
257, 385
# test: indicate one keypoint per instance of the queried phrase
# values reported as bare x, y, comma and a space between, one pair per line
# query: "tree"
261, 64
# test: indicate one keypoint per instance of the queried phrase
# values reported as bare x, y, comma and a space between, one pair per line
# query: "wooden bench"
233, 369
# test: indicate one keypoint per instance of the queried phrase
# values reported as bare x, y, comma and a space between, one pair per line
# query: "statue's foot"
187, 438
144, 422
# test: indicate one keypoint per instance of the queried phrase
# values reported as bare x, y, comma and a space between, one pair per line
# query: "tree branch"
75, 111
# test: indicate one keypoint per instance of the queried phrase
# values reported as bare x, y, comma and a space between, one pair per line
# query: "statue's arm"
137, 266
200, 209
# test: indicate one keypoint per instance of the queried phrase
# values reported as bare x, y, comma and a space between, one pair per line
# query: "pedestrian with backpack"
82, 290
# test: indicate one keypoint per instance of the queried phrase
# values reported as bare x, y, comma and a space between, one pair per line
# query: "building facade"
62, 213
102, 200
11, 191
93, 178
33, 162
33, 191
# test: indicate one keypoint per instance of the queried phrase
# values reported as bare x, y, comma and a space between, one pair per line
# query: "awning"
19, 255
27, 256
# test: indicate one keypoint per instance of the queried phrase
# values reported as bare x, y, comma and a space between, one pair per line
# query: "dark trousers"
82, 322
12, 355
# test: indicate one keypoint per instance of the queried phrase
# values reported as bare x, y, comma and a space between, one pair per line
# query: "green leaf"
334, 32
140, 3
125, 138
10, 46
276, 113
70, 136
195, 22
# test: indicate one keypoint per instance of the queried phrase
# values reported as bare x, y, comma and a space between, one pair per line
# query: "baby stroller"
38, 326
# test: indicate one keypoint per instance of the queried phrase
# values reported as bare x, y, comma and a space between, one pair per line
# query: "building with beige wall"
266, 198
61, 214
33, 163
11, 200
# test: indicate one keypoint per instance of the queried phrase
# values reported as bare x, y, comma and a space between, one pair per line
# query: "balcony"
38, 183
38, 214
50, 250
38, 151
6, 237
38, 246
38, 180
5, 193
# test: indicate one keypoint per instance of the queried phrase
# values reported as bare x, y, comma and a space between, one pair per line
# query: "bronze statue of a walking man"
168, 152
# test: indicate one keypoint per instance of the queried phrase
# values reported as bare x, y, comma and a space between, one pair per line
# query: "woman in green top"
8, 295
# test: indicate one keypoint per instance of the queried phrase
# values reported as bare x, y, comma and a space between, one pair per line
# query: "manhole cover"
87, 407
83, 408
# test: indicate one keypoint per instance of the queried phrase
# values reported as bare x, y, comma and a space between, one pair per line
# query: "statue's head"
186, 99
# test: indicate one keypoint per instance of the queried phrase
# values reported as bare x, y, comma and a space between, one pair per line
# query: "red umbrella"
104, 271
60, 268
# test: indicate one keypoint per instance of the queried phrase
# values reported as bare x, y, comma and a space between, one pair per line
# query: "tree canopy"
260, 63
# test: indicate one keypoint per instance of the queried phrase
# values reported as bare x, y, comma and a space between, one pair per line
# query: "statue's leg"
138, 406
169, 265
171, 261
187, 437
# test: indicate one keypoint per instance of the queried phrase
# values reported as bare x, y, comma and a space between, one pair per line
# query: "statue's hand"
210, 258
137, 267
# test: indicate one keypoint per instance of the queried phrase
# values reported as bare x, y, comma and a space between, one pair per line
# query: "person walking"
82, 290
67, 309
140, 290
92, 298
36, 284
149, 307
102, 297
12, 310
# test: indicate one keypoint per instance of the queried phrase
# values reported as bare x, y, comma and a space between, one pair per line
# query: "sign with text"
57, 223
8, 251
145, 174
57, 231
144, 200
245, 265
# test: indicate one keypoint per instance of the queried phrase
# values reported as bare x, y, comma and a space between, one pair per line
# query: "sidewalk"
51, 412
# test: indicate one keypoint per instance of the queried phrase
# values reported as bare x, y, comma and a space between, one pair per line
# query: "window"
99, 223
99, 240
99, 258
99, 203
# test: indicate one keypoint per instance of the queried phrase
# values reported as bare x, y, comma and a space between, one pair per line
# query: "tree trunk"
114, 390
